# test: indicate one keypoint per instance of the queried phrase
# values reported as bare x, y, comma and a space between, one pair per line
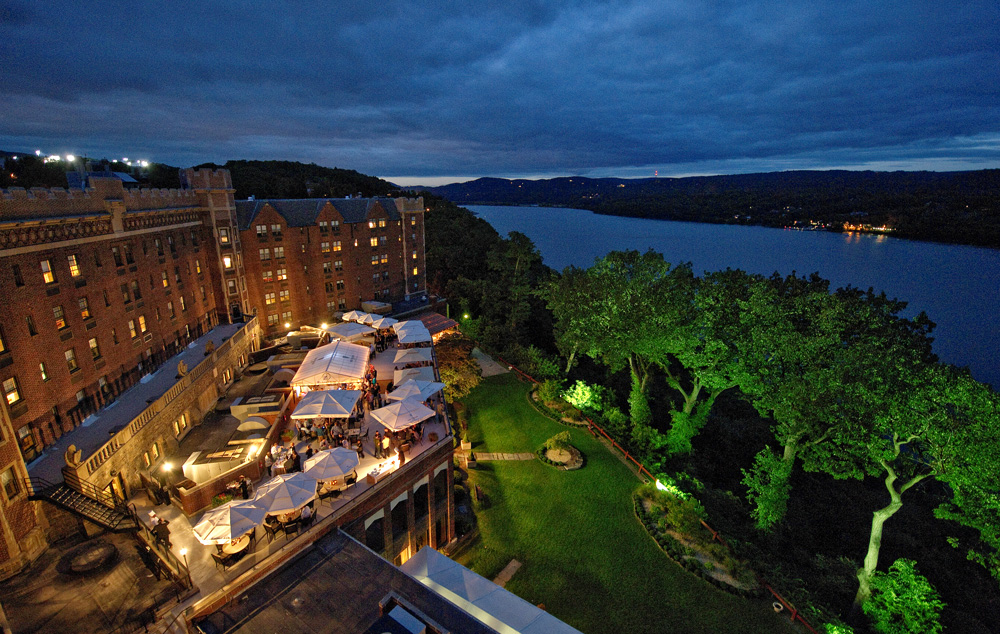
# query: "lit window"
45, 373
156, 451
145, 459
272, 320
324, 247
74, 266
282, 275
84, 308
48, 275
95, 350
197, 267
413, 221
371, 224
374, 259
131, 328
71, 360
381, 223
414, 255
11, 391
283, 296
164, 279
374, 241
142, 323
416, 271
3, 343
385, 258
183, 304
59, 316
286, 316
10, 483
336, 245
268, 276
223, 235
268, 298
227, 262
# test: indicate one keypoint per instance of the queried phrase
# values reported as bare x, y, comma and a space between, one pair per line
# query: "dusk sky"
434, 92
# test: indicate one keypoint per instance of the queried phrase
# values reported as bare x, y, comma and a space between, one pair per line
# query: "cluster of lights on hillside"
69, 158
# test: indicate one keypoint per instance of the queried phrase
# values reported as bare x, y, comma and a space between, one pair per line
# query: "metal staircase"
95, 506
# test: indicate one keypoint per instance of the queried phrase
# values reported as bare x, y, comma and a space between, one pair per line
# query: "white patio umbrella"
412, 355
327, 404
414, 335
349, 331
286, 493
367, 319
402, 414
353, 315
229, 521
384, 323
415, 388
420, 374
409, 325
332, 463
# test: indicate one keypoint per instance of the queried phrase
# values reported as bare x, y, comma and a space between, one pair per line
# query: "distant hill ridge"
962, 207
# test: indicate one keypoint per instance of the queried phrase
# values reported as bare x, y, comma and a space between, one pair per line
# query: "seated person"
306, 514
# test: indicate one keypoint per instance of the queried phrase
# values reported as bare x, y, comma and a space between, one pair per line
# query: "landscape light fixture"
288, 325
167, 466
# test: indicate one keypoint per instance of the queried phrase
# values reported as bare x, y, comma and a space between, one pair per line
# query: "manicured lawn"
584, 554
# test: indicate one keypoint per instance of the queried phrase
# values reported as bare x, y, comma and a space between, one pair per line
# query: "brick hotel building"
104, 284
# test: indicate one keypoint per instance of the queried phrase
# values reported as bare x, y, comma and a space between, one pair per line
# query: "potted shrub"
471, 462
466, 443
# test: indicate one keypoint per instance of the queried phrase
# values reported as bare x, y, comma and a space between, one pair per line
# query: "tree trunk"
569, 361
879, 519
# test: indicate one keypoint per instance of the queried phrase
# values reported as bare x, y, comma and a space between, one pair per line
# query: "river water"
957, 286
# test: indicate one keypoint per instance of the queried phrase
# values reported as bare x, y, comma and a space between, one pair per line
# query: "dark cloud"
516, 88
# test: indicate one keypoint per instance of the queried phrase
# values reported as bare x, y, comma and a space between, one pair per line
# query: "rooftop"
98, 428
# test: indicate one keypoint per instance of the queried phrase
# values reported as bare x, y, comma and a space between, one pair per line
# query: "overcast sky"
432, 92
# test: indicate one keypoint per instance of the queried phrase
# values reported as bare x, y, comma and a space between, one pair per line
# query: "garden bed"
568, 459
711, 561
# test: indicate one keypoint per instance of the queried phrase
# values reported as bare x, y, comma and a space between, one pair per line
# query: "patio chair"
271, 531
291, 527
221, 560
351, 478
328, 496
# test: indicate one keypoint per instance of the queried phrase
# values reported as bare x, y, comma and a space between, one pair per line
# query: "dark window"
18, 280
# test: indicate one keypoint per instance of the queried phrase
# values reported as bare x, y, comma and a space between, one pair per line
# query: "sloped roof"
303, 212
492, 605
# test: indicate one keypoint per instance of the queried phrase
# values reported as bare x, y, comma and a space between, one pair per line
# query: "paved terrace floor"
204, 572
96, 429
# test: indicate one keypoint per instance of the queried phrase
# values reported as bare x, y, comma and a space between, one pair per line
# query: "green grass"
583, 553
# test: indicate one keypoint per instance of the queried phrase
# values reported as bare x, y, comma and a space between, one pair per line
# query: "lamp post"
187, 568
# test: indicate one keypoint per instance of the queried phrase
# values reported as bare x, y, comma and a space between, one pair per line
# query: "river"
957, 286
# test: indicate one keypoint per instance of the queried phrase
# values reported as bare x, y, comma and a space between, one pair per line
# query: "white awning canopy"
421, 390
493, 606
384, 323
413, 355
402, 414
327, 404
349, 331
419, 374
337, 362
414, 335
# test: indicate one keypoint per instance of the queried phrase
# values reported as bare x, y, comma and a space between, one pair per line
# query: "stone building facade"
102, 286
307, 259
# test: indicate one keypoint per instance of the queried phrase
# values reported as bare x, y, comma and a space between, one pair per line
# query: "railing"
641, 469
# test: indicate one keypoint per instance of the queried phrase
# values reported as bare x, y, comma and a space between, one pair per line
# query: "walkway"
503, 456
487, 364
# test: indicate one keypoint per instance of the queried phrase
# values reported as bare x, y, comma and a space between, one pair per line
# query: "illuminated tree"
903, 601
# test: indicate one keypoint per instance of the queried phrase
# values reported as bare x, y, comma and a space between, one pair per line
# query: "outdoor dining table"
237, 546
